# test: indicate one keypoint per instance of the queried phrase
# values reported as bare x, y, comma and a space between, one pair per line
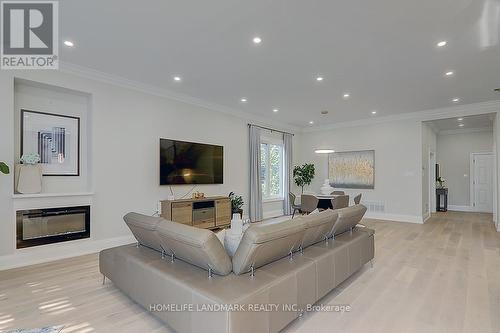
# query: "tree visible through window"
271, 169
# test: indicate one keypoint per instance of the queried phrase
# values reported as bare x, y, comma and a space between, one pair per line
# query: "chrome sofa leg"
252, 271
163, 254
210, 274
103, 279
137, 244
291, 255
172, 257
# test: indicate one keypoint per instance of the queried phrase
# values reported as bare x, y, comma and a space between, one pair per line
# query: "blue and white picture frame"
56, 138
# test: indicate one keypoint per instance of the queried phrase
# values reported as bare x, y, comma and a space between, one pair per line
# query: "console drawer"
182, 212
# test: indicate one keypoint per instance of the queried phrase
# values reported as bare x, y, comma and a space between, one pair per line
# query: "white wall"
398, 151
428, 145
126, 126
37, 97
453, 156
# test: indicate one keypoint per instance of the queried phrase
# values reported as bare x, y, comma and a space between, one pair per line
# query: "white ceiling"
482, 121
382, 52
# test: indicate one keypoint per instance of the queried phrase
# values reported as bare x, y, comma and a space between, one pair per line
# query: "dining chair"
357, 199
341, 201
294, 206
338, 193
308, 203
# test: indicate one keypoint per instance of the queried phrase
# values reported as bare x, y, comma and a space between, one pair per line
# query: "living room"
210, 73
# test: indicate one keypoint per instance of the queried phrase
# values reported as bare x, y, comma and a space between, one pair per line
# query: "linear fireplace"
52, 225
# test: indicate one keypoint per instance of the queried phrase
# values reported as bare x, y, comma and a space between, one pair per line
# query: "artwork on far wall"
352, 169
56, 138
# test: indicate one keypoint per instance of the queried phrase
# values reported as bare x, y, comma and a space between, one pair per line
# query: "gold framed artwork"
352, 169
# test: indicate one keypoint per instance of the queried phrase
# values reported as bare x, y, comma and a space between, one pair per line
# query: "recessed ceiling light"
69, 43
374, 112
257, 40
461, 125
324, 151
275, 110
319, 78
456, 100
346, 95
460, 119
324, 112
442, 43
243, 100
177, 78
311, 122
450, 73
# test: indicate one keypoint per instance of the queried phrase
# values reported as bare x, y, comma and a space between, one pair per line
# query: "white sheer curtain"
287, 171
255, 203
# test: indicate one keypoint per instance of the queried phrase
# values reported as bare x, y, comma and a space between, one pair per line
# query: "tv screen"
190, 163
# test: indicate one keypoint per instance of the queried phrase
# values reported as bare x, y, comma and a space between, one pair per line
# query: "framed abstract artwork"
352, 169
56, 138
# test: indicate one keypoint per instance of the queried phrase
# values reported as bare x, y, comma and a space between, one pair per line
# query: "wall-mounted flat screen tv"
190, 163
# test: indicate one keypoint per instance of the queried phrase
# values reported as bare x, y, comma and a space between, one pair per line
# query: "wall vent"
374, 206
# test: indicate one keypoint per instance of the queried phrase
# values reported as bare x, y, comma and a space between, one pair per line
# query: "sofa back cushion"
265, 243
318, 226
348, 218
143, 228
196, 246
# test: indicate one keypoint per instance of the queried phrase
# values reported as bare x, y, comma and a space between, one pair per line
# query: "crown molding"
426, 115
433, 114
116, 80
465, 130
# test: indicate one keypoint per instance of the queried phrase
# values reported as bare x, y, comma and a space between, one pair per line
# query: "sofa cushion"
265, 243
318, 226
143, 228
348, 218
196, 246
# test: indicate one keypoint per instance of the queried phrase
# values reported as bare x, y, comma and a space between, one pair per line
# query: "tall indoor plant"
303, 175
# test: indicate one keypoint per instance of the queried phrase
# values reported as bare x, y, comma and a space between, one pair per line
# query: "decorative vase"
236, 224
326, 188
29, 178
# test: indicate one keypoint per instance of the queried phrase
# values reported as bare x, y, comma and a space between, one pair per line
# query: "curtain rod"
270, 129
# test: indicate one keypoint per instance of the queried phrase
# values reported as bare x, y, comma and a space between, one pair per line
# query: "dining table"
325, 200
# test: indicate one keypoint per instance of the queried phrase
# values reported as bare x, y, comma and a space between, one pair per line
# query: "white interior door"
483, 183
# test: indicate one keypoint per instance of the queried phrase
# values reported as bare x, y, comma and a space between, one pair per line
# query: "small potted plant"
29, 174
236, 204
441, 182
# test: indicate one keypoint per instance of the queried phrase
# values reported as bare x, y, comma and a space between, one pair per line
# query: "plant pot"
238, 211
29, 178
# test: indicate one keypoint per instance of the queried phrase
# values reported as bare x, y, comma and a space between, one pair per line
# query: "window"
271, 170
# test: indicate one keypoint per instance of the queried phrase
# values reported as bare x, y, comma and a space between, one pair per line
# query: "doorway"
481, 195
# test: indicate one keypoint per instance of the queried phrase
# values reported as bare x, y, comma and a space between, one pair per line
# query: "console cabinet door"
182, 212
222, 212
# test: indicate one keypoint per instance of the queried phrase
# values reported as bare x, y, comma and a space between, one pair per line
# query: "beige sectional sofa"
185, 278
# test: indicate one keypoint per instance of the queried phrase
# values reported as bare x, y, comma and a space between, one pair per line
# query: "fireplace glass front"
51, 225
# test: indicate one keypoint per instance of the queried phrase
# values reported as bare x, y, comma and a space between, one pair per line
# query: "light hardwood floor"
443, 276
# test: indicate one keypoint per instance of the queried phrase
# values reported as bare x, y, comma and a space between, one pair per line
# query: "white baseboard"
395, 217
46, 253
273, 213
460, 208
426, 217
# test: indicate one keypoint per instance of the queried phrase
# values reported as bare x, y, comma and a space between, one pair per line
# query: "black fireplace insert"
52, 225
